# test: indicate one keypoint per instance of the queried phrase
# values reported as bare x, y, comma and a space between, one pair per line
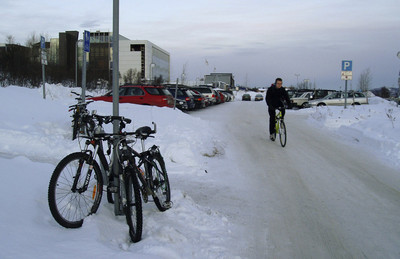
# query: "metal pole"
115, 87
44, 82
176, 92
83, 76
76, 63
345, 94
115, 48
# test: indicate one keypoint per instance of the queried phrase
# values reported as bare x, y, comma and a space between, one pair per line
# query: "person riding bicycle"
276, 95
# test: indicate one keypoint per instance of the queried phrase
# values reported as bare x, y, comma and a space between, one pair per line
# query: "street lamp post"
297, 76
398, 81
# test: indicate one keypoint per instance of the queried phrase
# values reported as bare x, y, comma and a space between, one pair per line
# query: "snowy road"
315, 198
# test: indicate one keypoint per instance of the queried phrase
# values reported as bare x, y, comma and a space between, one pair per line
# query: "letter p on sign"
347, 65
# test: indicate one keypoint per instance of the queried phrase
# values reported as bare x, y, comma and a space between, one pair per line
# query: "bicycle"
81, 120
153, 179
74, 193
280, 127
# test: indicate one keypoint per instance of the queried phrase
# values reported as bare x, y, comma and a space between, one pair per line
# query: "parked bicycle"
151, 171
82, 123
280, 127
76, 186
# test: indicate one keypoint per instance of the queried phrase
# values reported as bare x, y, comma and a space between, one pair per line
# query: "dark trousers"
271, 112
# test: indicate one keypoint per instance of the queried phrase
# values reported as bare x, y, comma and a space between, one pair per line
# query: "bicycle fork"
89, 172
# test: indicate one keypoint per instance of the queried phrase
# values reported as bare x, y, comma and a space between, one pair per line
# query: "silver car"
338, 99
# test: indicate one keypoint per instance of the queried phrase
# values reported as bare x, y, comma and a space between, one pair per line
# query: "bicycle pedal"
112, 189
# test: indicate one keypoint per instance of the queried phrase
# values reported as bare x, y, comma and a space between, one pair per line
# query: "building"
141, 56
220, 80
65, 55
147, 58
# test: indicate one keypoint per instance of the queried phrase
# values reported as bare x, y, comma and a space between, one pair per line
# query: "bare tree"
10, 39
364, 82
132, 76
32, 39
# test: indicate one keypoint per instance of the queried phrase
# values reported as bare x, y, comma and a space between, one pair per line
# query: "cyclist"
275, 97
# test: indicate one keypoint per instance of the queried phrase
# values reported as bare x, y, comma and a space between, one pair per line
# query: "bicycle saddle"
143, 131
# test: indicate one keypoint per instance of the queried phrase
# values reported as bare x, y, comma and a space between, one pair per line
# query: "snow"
374, 127
202, 162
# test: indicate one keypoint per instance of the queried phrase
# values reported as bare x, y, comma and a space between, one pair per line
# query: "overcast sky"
256, 40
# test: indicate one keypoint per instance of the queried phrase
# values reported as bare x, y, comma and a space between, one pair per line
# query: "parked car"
220, 96
199, 99
338, 98
228, 95
183, 94
258, 97
181, 104
246, 97
140, 94
208, 92
301, 99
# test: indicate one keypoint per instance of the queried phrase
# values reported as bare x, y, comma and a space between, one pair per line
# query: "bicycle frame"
278, 117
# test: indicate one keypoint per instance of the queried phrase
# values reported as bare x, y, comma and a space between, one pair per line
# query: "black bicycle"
76, 185
151, 171
82, 122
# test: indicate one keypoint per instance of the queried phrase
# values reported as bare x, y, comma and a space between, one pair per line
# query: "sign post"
86, 49
44, 62
347, 74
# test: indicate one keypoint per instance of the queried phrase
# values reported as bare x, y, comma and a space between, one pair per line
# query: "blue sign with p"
86, 41
347, 65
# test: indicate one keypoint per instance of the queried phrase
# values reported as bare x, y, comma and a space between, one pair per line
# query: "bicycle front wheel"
70, 199
282, 133
133, 207
159, 183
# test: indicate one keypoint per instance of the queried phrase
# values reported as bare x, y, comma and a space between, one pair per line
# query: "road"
315, 198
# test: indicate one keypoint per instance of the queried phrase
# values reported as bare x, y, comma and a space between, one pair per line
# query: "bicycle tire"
67, 207
74, 126
282, 133
159, 182
133, 207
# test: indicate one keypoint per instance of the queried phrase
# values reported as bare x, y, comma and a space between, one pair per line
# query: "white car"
338, 99
208, 92
301, 99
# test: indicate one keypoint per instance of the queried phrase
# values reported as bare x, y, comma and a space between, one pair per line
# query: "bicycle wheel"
159, 182
282, 133
70, 206
133, 207
75, 126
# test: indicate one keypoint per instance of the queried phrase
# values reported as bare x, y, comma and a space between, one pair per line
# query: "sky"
255, 40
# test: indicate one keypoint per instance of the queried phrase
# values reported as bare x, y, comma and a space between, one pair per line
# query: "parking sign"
347, 65
347, 70
86, 40
42, 42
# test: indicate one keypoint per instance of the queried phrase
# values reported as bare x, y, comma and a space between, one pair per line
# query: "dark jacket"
275, 97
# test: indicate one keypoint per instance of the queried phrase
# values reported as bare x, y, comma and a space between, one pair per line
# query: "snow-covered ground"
201, 161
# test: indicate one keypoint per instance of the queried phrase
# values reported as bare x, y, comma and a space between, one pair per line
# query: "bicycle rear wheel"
282, 133
68, 205
133, 207
159, 183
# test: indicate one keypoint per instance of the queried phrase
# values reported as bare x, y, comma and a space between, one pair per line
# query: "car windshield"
295, 95
204, 90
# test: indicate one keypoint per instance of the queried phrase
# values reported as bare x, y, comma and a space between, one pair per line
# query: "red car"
141, 94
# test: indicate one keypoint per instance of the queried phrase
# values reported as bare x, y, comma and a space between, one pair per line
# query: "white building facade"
144, 57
